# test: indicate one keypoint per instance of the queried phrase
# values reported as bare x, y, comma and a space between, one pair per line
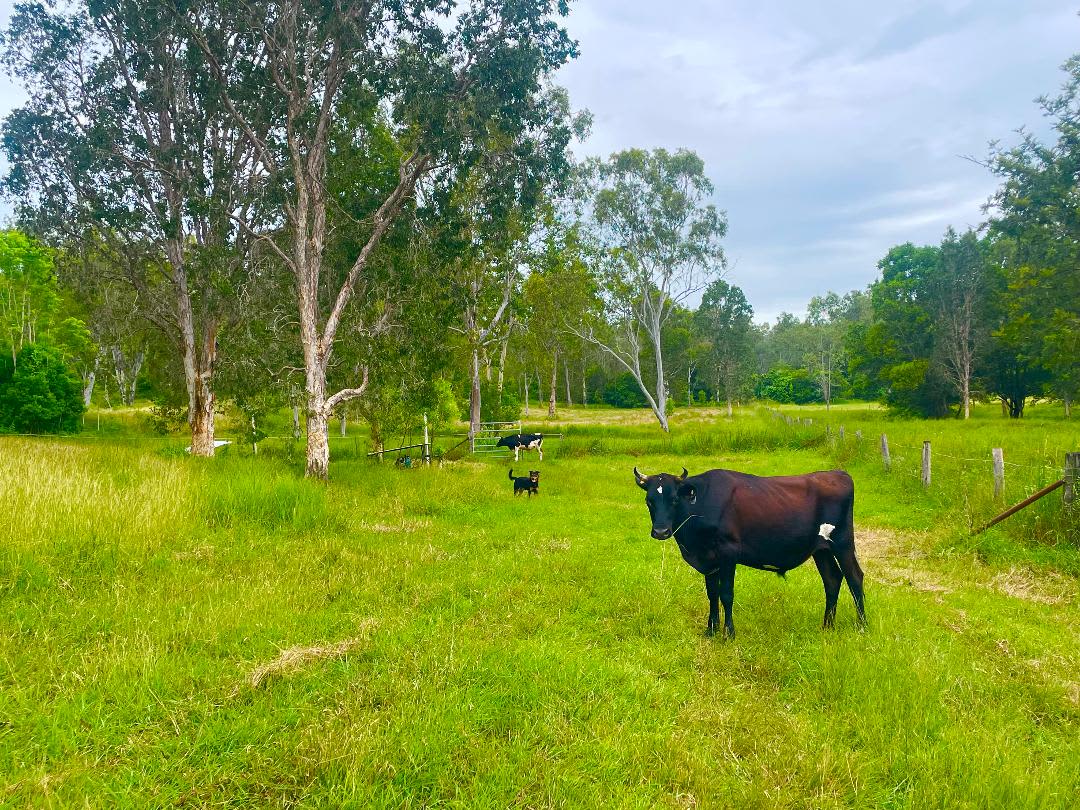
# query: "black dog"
530, 484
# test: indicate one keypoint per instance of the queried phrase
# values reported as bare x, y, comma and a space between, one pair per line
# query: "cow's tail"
511, 476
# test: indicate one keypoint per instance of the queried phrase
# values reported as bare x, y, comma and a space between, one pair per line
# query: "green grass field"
185, 632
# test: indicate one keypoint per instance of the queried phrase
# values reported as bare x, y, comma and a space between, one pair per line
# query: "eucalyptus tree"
94, 281
559, 295
28, 296
450, 77
1034, 213
829, 318
483, 256
124, 136
486, 221
725, 320
958, 292
660, 242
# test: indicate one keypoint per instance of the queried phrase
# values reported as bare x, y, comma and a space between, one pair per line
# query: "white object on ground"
217, 443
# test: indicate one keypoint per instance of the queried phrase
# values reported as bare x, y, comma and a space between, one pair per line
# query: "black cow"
723, 518
523, 441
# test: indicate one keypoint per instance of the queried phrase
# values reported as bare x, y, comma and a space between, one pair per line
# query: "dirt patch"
892, 558
294, 658
872, 544
897, 559
1047, 588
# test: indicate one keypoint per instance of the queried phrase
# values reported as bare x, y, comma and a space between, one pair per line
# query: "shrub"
624, 392
39, 393
496, 408
787, 385
166, 418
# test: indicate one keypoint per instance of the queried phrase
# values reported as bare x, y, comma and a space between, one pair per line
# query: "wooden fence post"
885, 452
999, 472
1072, 476
926, 464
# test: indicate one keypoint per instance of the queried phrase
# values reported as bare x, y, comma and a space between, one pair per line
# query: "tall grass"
176, 631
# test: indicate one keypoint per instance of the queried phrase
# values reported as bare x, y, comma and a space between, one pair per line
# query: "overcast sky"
831, 130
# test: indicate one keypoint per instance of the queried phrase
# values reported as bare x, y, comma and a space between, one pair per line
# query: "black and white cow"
523, 441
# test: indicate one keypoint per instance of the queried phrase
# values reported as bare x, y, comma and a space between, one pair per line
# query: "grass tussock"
295, 658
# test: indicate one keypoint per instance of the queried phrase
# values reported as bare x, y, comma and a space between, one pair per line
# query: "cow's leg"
727, 597
720, 586
832, 579
712, 588
540, 450
849, 564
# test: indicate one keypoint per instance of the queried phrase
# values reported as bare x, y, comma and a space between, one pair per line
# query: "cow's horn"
638, 475
684, 474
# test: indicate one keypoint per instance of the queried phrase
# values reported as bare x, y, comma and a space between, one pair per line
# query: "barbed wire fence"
919, 462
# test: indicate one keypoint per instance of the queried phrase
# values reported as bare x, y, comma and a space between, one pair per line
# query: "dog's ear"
688, 493
642, 480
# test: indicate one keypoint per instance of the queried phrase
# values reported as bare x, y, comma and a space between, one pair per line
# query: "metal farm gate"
485, 439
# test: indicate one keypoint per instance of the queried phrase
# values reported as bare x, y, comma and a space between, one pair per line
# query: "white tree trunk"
318, 447
554, 382
502, 361
474, 394
88, 381
660, 405
198, 371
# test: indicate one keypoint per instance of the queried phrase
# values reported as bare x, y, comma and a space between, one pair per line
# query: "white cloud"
831, 131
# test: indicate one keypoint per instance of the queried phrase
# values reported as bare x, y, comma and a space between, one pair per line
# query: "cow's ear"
642, 480
688, 493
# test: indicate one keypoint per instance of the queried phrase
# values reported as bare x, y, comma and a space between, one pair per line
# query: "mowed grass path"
224, 633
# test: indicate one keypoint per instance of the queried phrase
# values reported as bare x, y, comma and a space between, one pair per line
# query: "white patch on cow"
659, 490
826, 531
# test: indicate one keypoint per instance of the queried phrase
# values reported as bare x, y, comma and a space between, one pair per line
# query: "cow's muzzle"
661, 534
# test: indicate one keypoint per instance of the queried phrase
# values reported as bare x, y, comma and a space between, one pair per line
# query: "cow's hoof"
710, 631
